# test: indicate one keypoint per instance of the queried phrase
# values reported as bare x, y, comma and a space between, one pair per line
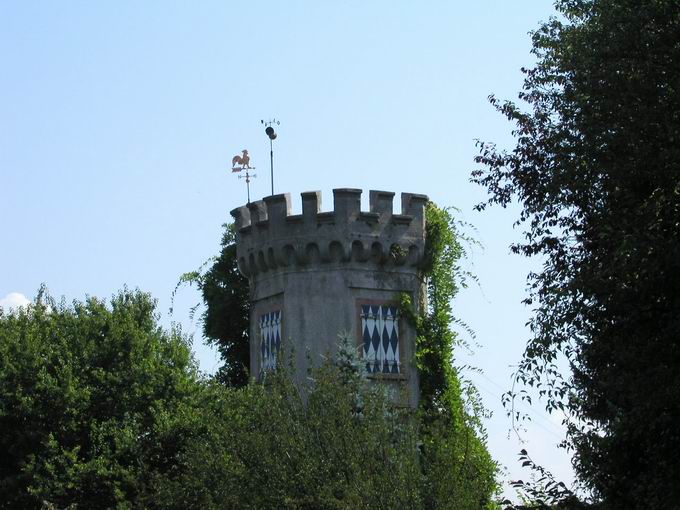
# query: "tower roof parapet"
270, 238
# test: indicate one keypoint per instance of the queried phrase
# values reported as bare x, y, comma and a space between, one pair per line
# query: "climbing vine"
450, 411
442, 277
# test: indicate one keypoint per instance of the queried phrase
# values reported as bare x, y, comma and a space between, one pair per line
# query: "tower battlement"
318, 274
270, 238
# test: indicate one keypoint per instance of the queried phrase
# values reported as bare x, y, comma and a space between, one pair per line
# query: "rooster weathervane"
243, 160
241, 163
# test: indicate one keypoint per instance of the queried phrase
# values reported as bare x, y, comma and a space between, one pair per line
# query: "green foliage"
454, 440
435, 339
342, 446
227, 310
596, 169
93, 402
544, 492
100, 408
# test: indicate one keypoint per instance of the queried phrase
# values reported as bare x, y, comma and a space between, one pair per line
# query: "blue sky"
118, 122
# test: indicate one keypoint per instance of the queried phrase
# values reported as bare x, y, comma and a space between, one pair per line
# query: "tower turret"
318, 274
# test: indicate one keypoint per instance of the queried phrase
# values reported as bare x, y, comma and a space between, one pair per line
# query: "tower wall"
318, 274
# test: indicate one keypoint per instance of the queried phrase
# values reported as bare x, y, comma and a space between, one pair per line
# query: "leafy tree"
95, 402
226, 317
343, 446
100, 408
596, 169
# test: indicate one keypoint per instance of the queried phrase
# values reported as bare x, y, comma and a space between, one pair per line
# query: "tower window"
270, 339
380, 338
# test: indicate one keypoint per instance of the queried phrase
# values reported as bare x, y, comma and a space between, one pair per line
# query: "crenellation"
413, 204
270, 238
311, 205
346, 204
258, 212
381, 203
241, 216
325, 217
295, 219
318, 272
369, 217
278, 210
402, 219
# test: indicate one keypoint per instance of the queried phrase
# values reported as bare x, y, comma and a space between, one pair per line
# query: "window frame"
403, 366
270, 308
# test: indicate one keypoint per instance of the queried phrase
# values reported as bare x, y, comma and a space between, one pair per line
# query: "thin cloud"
14, 300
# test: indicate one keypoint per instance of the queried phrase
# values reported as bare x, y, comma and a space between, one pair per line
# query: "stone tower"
316, 275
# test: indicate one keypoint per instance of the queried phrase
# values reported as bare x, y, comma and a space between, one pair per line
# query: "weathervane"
269, 131
240, 163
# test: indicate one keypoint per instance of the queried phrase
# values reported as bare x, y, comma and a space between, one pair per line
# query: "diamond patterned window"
380, 335
270, 339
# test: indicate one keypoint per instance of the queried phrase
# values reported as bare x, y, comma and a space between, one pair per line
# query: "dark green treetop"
596, 170
95, 402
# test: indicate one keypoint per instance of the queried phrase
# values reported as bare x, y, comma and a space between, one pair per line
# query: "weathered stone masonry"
318, 274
